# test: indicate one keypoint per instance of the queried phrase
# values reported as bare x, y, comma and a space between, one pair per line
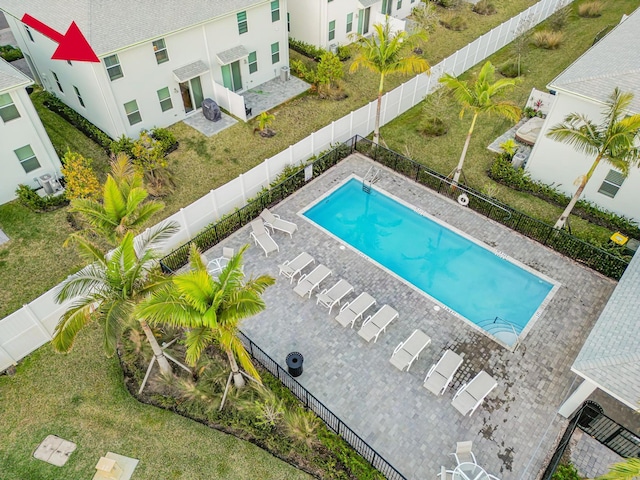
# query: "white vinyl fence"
32, 326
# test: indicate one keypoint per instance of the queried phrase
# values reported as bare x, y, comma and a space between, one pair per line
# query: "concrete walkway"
514, 430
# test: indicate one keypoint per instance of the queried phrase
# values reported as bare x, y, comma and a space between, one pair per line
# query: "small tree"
265, 119
329, 71
80, 179
425, 16
148, 157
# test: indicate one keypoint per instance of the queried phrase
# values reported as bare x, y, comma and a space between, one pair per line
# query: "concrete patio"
514, 430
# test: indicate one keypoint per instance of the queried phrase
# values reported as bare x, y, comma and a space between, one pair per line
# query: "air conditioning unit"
333, 48
285, 73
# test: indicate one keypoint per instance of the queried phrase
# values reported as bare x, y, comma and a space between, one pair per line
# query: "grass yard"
81, 397
540, 67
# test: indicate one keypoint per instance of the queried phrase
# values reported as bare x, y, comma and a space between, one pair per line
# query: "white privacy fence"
32, 326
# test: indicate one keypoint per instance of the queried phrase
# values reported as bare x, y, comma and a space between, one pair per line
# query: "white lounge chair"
441, 374
470, 395
294, 267
463, 453
308, 283
374, 325
330, 297
274, 222
352, 311
409, 350
261, 237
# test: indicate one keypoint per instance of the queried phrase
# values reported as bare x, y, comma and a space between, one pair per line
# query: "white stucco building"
26, 152
158, 60
327, 23
584, 88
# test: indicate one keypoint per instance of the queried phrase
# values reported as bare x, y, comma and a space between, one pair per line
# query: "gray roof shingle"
612, 62
231, 55
111, 25
11, 77
611, 354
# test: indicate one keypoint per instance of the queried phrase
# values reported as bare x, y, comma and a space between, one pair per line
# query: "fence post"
36, 320
244, 195
313, 144
186, 224
13, 360
351, 124
400, 101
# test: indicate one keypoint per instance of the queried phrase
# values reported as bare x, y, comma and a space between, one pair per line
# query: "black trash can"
211, 110
294, 364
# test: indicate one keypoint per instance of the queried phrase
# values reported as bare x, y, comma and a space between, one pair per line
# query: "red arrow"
71, 46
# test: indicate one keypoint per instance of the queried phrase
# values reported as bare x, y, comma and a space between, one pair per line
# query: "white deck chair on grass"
409, 350
308, 283
352, 311
374, 325
261, 237
294, 267
274, 222
470, 395
441, 374
328, 298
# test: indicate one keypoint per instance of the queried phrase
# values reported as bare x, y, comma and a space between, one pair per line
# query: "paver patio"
514, 430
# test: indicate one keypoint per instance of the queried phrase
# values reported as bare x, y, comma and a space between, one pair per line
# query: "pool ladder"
372, 176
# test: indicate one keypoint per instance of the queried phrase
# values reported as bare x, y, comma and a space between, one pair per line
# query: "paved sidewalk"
590, 457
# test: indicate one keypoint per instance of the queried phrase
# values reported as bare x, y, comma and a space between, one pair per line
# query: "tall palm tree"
479, 98
108, 289
613, 140
387, 52
210, 309
123, 207
627, 470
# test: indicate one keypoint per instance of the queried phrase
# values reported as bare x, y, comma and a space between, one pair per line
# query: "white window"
275, 10
399, 6
275, 52
165, 99
113, 67
612, 183
8, 110
27, 158
160, 49
253, 62
243, 26
133, 113
332, 30
349, 22
79, 96
55, 77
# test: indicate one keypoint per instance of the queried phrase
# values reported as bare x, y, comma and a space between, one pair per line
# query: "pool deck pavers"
514, 430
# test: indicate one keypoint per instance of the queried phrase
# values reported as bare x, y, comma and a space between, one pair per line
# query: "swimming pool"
459, 273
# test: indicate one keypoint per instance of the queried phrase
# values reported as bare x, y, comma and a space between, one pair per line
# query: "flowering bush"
81, 181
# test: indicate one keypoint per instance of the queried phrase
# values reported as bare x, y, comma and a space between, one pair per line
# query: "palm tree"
211, 309
613, 140
386, 52
479, 98
108, 289
123, 207
627, 470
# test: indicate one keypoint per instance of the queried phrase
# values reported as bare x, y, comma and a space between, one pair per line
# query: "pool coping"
532, 320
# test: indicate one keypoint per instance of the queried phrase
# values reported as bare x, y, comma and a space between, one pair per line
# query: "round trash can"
294, 364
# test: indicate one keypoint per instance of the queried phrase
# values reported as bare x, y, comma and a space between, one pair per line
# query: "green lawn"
81, 397
540, 67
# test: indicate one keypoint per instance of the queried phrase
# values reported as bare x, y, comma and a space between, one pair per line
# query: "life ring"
463, 199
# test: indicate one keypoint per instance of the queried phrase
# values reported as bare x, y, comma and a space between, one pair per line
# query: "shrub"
591, 9
167, 140
484, 7
306, 49
531, 112
456, 23
10, 53
123, 145
344, 53
329, 70
566, 472
433, 127
298, 68
80, 179
447, 3
510, 69
28, 197
74, 118
559, 20
547, 39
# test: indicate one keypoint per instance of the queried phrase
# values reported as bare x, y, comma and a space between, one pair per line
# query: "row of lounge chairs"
468, 397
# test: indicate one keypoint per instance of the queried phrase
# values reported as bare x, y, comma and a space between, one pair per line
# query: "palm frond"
88, 280
77, 316
197, 340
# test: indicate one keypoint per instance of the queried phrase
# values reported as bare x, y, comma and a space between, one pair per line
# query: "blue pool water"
469, 279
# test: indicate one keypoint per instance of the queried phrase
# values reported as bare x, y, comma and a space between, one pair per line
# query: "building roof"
611, 355
11, 77
111, 25
612, 62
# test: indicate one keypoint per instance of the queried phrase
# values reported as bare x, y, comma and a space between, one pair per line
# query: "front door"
191, 93
231, 77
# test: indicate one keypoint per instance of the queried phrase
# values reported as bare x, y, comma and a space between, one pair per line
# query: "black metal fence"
591, 420
311, 402
559, 240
